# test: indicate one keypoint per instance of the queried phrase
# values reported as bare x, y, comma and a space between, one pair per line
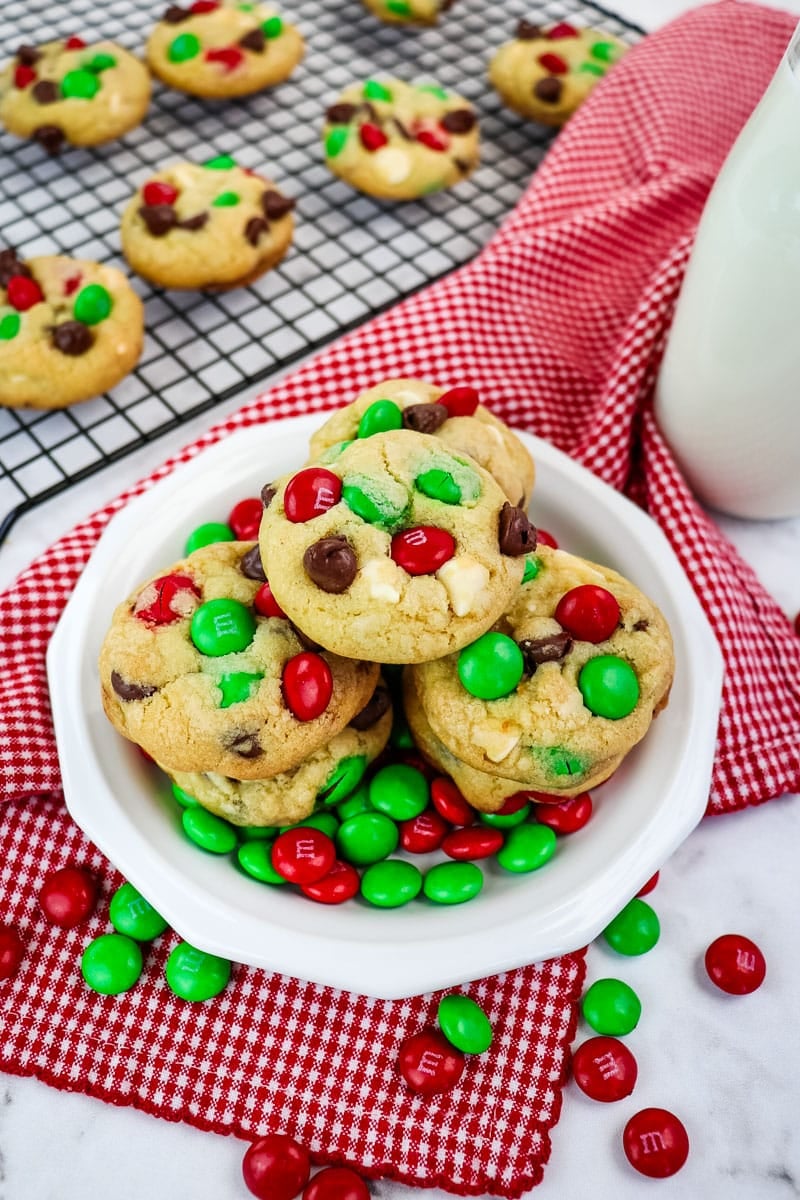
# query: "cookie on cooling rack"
400, 141
68, 91
211, 226
69, 330
546, 72
409, 12
453, 415
221, 48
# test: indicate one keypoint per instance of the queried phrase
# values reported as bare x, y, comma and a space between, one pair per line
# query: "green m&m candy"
398, 8
336, 139
357, 803
207, 535
111, 964
533, 566
134, 916
258, 833
238, 687
208, 832
325, 822
222, 162
491, 667
272, 27
453, 882
343, 779
381, 417
391, 884
367, 838
255, 857
183, 798
590, 68
93, 303
439, 485
604, 51
222, 627
609, 686
611, 1007
464, 1024
9, 326
399, 791
183, 48
194, 975
433, 89
225, 200
376, 91
506, 820
79, 85
100, 63
634, 930
527, 848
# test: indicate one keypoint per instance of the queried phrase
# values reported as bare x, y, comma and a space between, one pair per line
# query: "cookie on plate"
409, 12
547, 72
563, 687
200, 671
220, 48
322, 779
213, 226
398, 549
453, 415
69, 91
69, 329
400, 141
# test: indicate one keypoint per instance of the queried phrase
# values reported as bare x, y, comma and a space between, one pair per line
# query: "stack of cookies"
250, 670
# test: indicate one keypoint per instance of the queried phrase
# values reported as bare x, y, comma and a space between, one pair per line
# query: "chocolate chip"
459, 121
340, 114
72, 337
516, 535
10, 266
254, 40
131, 691
159, 218
175, 14
379, 703
424, 418
251, 566
275, 205
401, 129
464, 165
545, 649
641, 625
548, 89
267, 494
372, 113
246, 745
195, 222
254, 229
50, 138
303, 638
331, 564
528, 32
27, 56
45, 92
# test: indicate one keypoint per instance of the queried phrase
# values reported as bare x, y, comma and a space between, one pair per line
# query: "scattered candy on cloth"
561, 323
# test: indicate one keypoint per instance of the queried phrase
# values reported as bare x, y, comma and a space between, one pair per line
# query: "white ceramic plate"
641, 815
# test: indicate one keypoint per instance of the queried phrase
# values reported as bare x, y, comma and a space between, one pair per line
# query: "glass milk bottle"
728, 394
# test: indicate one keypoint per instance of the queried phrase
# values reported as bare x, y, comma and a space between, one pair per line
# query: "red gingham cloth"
561, 321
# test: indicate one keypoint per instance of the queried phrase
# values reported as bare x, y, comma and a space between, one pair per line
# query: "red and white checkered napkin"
561, 322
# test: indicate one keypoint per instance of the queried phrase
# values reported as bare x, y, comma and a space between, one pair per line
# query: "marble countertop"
728, 1066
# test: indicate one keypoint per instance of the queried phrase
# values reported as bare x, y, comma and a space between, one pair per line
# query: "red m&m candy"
735, 964
341, 883
68, 896
588, 612
423, 833
310, 493
11, 951
465, 845
514, 803
648, 887
429, 1064
460, 401
276, 1168
562, 30
307, 685
336, 1183
553, 63
22, 293
74, 43
423, 549
156, 192
265, 603
23, 76
303, 855
604, 1069
543, 538
230, 57
655, 1143
434, 138
372, 138
199, 7
245, 519
568, 816
167, 599
450, 804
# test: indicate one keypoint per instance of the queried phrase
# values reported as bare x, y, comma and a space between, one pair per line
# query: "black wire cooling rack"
352, 256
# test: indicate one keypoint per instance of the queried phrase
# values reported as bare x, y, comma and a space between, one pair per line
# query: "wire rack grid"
352, 256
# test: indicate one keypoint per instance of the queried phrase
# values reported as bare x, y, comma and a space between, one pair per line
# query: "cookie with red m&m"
409, 12
73, 92
220, 48
454, 415
214, 225
546, 72
562, 688
201, 671
69, 329
399, 141
398, 548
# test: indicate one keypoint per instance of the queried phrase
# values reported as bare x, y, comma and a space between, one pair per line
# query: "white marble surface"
729, 1067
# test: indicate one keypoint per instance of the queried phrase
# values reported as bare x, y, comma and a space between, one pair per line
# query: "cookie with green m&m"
409, 12
399, 141
203, 671
73, 92
211, 225
220, 48
453, 414
562, 688
69, 329
396, 548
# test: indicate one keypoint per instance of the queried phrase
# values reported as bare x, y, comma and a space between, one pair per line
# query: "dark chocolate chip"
424, 418
50, 137
459, 121
641, 625
131, 691
516, 535
251, 566
246, 745
372, 113
159, 218
27, 56
195, 222
528, 32
254, 40
545, 649
340, 114
401, 129
72, 337
175, 14
45, 92
10, 266
548, 89
275, 206
267, 494
303, 638
464, 165
379, 703
331, 564
254, 229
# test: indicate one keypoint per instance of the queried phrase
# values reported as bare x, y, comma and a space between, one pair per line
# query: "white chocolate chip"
497, 743
393, 163
465, 580
382, 577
